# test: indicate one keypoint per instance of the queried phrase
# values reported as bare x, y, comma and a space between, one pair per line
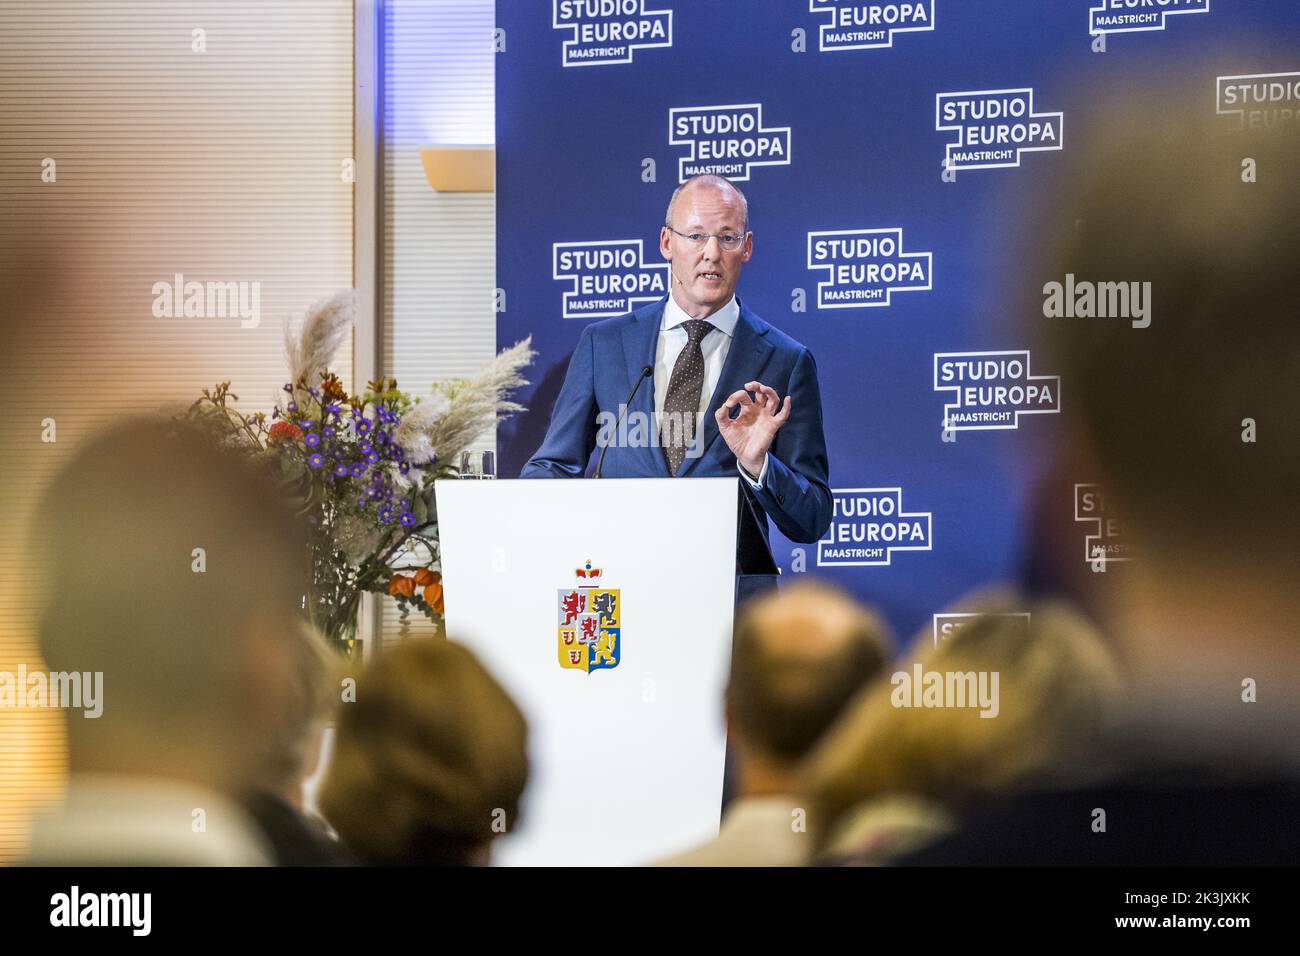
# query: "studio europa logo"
869, 24
726, 140
992, 390
1105, 540
869, 525
863, 267
1137, 16
607, 278
994, 127
608, 31
1259, 100
948, 626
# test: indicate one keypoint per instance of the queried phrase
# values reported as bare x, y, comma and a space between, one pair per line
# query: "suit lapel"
745, 362
640, 342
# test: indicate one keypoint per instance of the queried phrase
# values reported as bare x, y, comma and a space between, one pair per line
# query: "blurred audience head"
430, 761
1055, 681
1206, 213
798, 656
175, 571
1188, 425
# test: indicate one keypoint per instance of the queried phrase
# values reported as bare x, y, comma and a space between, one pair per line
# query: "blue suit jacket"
605, 365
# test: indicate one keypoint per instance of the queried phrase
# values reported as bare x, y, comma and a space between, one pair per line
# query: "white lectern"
605, 609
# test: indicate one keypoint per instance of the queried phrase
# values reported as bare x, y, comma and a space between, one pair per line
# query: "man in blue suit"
719, 372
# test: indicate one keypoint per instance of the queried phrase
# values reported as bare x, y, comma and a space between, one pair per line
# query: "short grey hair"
713, 179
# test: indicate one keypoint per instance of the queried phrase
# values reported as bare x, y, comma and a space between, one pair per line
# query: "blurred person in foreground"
798, 657
430, 761
1202, 766
195, 646
298, 837
892, 776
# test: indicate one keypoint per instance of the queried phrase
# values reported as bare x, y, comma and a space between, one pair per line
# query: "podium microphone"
646, 371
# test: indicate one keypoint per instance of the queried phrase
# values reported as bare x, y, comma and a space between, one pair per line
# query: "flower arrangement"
360, 467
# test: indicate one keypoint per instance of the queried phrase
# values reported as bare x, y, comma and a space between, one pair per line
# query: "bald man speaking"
727, 393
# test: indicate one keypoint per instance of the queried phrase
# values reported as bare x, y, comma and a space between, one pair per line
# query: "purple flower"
372, 457
341, 470
334, 408
316, 460
288, 388
371, 491
312, 439
403, 467
365, 447
407, 519
328, 431
292, 406
385, 515
358, 469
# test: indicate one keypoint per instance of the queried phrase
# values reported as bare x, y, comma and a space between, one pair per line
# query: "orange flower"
424, 577
401, 586
284, 431
433, 597
332, 387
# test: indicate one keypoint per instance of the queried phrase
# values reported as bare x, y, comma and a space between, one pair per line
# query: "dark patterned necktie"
682, 403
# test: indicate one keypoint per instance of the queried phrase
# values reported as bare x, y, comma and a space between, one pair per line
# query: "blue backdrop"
834, 118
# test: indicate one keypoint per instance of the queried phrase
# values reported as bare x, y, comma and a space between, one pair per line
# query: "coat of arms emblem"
590, 623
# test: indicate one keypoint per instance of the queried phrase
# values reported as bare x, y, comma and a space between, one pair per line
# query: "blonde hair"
1055, 680
430, 761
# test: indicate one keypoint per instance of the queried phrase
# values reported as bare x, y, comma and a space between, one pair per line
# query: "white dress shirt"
755, 831
715, 346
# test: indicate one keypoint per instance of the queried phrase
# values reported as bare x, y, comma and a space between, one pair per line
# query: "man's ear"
665, 249
264, 664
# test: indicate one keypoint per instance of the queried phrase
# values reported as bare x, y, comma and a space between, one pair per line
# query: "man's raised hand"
749, 435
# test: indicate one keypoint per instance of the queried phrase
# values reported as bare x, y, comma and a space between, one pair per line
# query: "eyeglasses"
697, 240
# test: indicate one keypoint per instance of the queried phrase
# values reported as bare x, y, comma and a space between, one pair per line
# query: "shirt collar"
724, 319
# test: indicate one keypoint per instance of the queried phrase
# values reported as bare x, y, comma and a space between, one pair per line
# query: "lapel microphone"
646, 372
